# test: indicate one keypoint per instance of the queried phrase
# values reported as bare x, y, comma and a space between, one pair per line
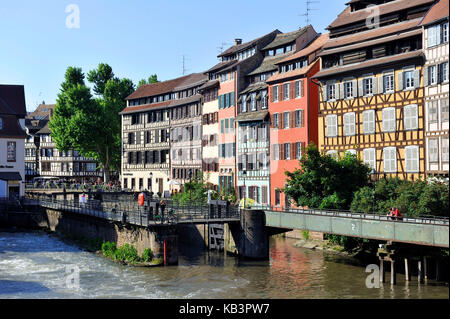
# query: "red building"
293, 108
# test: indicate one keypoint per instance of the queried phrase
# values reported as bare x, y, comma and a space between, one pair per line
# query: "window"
368, 86
444, 72
349, 124
333, 154
432, 112
264, 99
432, 75
370, 159
91, 167
298, 89
409, 79
275, 119
11, 150
445, 150
412, 159
444, 110
226, 125
331, 88
286, 120
331, 123
244, 103
277, 197
445, 32
298, 150
410, 117
389, 120
388, 83
369, 122
390, 159
433, 150
287, 151
253, 101
433, 35
299, 118
348, 89
275, 93
286, 87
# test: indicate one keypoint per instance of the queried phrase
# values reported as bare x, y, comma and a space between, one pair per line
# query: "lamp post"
244, 175
151, 184
373, 176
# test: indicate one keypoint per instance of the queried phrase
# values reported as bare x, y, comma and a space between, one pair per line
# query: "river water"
38, 265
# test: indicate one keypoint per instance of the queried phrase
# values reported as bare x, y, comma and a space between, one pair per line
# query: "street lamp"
244, 175
373, 176
151, 184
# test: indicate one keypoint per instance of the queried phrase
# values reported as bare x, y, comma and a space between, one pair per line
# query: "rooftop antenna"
222, 46
308, 11
184, 65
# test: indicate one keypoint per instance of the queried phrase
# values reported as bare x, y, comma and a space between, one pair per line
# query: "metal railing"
435, 220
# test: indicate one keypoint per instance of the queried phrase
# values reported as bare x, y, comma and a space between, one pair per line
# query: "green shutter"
233, 99
220, 100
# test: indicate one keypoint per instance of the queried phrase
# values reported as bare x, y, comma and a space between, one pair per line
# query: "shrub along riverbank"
128, 254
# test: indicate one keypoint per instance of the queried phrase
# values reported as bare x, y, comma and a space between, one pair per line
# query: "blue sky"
136, 37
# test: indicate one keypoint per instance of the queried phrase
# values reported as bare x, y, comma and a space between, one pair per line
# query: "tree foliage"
411, 198
322, 181
151, 80
195, 191
91, 125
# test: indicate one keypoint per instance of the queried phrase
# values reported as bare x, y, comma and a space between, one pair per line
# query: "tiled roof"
44, 130
140, 108
437, 12
210, 84
254, 87
157, 88
252, 116
317, 44
291, 74
12, 100
285, 38
369, 63
221, 65
243, 46
11, 127
269, 63
372, 34
43, 111
193, 80
348, 17
187, 100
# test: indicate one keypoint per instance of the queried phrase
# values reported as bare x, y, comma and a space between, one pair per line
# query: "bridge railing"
436, 220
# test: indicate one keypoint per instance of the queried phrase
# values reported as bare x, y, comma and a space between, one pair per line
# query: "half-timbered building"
372, 94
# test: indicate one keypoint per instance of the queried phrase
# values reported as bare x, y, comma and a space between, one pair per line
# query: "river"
38, 265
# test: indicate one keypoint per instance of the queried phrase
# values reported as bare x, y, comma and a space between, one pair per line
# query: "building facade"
372, 94
44, 160
293, 107
436, 49
12, 141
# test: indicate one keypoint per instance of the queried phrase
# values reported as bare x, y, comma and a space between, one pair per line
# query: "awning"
10, 176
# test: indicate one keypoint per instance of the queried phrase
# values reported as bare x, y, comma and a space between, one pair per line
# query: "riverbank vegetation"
128, 254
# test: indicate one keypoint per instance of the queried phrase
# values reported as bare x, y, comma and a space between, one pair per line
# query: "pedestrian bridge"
421, 231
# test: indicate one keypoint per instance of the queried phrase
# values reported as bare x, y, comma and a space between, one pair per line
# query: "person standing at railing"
83, 199
162, 207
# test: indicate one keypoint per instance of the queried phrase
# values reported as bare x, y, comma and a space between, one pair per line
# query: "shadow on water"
8, 287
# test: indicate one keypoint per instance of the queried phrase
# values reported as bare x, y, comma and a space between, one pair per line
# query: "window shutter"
380, 85
360, 87
400, 81
426, 71
220, 101
293, 151
272, 99
292, 90
324, 93
281, 150
280, 92
280, 120
302, 118
302, 88
416, 79
354, 89
292, 119
374, 85
341, 90
233, 99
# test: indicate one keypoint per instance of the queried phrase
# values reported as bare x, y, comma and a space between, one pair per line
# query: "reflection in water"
33, 265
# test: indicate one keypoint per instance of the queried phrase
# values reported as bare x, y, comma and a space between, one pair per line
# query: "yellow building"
372, 90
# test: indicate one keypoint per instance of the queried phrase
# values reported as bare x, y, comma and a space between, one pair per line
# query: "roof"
221, 65
42, 112
291, 74
254, 87
315, 45
349, 17
12, 100
187, 100
44, 130
436, 13
140, 108
372, 34
10, 176
210, 84
269, 63
243, 46
369, 63
192, 80
362, 44
11, 127
157, 88
252, 116
35, 125
285, 38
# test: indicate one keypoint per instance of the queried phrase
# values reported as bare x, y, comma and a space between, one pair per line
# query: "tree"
91, 125
151, 80
324, 182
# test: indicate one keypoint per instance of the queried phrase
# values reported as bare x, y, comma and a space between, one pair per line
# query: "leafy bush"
109, 249
305, 234
127, 253
147, 255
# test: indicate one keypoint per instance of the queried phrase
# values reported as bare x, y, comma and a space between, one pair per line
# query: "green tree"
151, 80
91, 125
324, 182
195, 191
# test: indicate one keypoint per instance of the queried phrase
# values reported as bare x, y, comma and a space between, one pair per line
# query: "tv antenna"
308, 11
222, 46
184, 64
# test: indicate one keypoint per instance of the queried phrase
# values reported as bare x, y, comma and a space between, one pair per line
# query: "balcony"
255, 173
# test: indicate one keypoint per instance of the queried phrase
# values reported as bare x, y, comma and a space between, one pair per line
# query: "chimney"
238, 41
